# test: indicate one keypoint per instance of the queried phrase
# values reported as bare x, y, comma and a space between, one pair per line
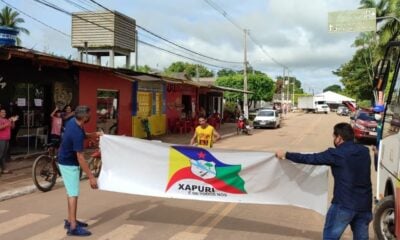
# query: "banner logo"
193, 163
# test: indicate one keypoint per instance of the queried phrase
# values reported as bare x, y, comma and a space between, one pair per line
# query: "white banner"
142, 167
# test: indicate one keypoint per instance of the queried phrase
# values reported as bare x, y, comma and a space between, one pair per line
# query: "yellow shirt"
205, 136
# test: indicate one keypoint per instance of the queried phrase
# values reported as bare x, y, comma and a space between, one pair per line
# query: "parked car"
343, 111
267, 118
364, 125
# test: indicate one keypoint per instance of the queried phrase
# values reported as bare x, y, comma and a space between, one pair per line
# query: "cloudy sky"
291, 32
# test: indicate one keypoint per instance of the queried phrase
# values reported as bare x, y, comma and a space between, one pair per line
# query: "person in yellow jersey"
204, 135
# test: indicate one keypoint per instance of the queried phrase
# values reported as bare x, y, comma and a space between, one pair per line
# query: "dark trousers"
3, 153
339, 217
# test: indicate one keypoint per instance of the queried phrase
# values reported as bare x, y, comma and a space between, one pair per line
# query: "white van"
267, 118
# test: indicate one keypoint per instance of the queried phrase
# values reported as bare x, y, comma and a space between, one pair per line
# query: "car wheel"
384, 218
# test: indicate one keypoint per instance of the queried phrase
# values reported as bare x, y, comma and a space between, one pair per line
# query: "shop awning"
124, 76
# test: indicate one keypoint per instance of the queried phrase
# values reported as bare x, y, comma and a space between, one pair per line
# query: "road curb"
6, 195
228, 135
17, 192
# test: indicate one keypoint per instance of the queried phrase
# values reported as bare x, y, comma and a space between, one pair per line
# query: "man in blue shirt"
70, 161
352, 194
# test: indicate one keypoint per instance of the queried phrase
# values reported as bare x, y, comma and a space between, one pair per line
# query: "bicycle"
45, 168
146, 128
95, 159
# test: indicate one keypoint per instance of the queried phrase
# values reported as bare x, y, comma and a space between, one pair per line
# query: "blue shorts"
70, 175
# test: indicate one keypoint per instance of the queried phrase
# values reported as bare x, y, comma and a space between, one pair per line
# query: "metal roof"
6, 53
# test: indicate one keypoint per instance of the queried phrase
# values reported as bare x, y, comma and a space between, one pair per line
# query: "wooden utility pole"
245, 101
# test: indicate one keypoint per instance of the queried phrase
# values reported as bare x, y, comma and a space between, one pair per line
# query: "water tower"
8, 36
104, 34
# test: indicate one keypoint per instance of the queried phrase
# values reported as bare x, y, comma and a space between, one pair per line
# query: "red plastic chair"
180, 126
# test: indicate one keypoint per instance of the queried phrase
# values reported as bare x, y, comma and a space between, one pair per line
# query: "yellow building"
150, 105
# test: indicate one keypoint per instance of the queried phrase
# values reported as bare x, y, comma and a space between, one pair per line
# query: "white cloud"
293, 32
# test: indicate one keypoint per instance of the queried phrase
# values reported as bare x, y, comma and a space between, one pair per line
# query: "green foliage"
143, 69
225, 72
230, 106
10, 18
355, 76
189, 69
333, 88
280, 86
364, 104
261, 85
230, 111
389, 28
232, 81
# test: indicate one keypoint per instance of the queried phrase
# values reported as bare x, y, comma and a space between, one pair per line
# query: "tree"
189, 69
143, 69
355, 77
357, 74
10, 18
281, 87
333, 88
389, 28
225, 72
261, 85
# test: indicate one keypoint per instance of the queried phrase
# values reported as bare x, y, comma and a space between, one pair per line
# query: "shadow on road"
169, 215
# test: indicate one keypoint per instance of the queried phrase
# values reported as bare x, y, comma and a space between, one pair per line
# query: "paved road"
123, 216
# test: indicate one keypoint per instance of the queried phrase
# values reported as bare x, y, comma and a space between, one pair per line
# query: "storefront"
150, 108
109, 95
181, 101
31, 85
211, 99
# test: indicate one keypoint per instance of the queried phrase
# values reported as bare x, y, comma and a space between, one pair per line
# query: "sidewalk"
20, 181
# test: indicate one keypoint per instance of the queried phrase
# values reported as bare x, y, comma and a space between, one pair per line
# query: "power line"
226, 15
265, 52
75, 4
88, 3
35, 19
215, 59
160, 37
44, 2
168, 41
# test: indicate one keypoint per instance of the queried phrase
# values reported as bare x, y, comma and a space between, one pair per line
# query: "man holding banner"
352, 195
70, 161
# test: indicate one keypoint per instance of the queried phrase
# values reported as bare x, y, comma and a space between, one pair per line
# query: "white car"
267, 118
322, 108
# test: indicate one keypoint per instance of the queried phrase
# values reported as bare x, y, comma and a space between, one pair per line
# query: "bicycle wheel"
44, 173
95, 166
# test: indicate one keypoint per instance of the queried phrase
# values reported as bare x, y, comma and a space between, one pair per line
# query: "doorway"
187, 104
107, 110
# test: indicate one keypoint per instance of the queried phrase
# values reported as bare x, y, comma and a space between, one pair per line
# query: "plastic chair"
41, 134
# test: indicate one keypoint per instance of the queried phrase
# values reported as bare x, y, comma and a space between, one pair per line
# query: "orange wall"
174, 99
90, 81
